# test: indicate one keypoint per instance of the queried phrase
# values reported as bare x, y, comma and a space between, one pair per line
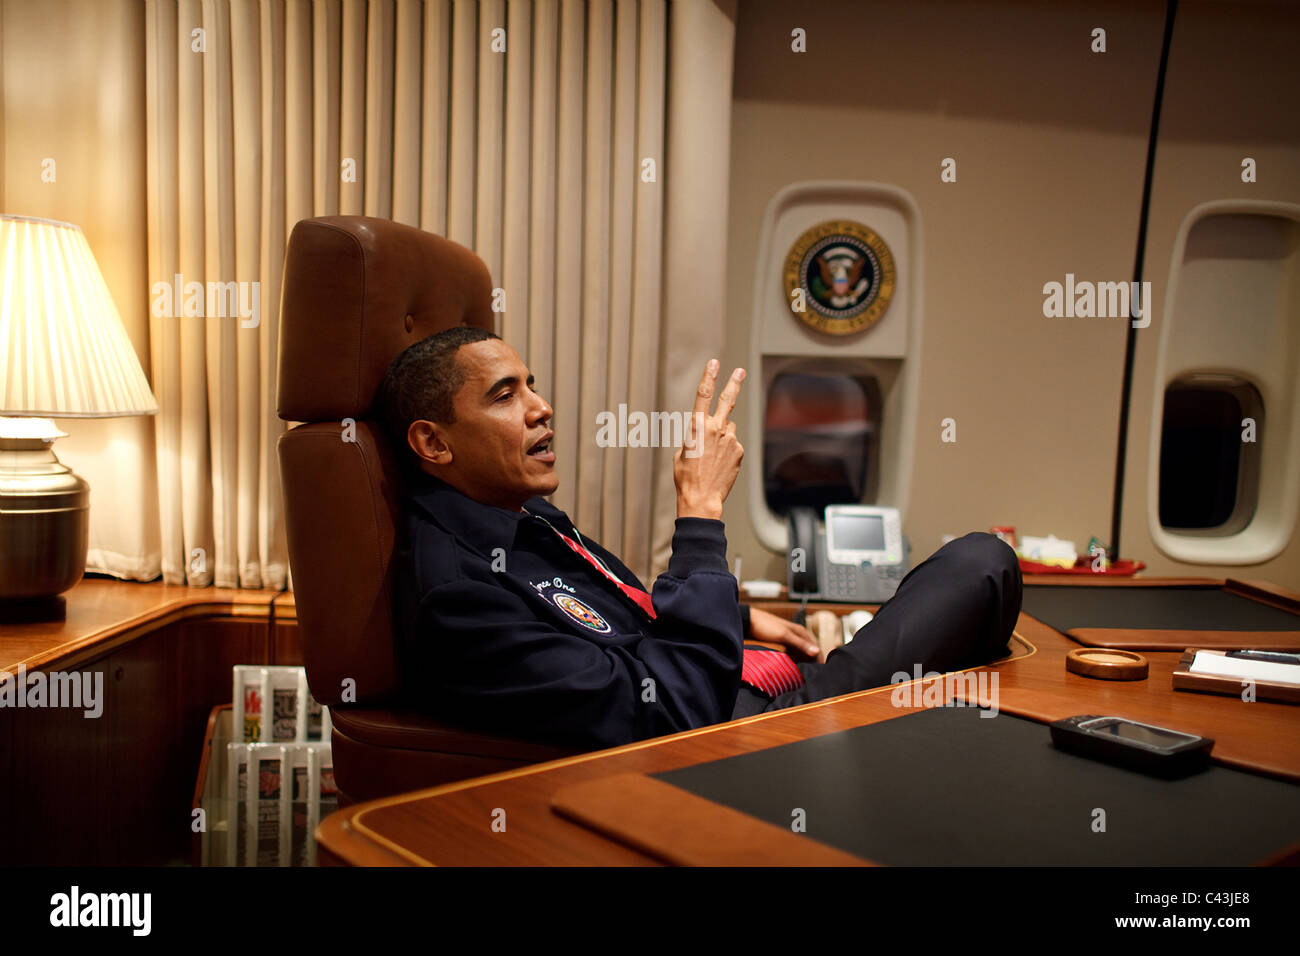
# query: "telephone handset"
859, 557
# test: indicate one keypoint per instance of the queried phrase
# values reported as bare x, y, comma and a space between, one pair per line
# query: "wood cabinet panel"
287, 643
117, 789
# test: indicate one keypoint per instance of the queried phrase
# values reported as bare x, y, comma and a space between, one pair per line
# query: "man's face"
489, 452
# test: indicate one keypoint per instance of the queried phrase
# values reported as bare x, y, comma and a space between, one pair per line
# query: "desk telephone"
859, 556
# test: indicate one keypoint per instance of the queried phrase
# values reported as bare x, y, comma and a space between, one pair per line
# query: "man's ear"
429, 442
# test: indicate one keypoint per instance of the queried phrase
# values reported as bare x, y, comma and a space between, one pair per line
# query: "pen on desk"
1277, 657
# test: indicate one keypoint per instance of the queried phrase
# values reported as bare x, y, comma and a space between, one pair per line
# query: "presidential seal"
842, 273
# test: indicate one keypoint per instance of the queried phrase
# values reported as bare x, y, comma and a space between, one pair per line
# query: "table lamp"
63, 354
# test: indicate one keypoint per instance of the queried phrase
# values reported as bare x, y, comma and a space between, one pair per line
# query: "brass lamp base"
44, 527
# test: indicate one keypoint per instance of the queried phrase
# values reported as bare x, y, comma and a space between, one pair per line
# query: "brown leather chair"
357, 291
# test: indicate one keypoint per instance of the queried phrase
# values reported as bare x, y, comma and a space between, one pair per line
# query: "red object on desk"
1083, 565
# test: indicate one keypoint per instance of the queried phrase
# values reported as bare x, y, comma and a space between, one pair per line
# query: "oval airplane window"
821, 439
1209, 476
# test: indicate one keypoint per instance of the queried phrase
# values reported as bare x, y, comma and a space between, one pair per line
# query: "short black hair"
422, 382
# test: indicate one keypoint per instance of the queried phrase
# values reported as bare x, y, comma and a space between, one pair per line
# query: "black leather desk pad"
1195, 608
948, 787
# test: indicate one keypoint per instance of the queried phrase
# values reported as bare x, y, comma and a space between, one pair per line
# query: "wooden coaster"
1106, 664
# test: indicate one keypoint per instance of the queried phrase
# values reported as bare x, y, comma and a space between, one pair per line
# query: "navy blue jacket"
506, 628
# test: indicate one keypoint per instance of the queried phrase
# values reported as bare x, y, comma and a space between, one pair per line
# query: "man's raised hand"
704, 477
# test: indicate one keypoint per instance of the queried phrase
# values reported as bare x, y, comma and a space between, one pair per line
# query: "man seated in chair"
513, 621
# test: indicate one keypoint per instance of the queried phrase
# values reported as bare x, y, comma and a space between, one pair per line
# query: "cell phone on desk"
850, 554
1130, 743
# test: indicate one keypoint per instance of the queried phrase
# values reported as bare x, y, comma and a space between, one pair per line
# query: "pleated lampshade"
64, 352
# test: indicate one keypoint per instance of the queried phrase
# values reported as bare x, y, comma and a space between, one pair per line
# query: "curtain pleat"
226, 182
218, 252
407, 65
533, 131
435, 116
264, 510
250, 148
567, 325
162, 188
300, 174
491, 134
515, 196
623, 177
594, 354
327, 71
352, 106
460, 136
540, 312
647, 259
195, 550
378, 117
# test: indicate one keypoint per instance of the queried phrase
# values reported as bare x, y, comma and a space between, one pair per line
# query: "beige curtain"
218, 202
86, 120
534, 131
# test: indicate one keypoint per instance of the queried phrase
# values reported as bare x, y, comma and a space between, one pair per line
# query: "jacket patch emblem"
581, 613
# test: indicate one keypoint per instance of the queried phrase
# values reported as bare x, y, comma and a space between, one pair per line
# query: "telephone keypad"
846, 582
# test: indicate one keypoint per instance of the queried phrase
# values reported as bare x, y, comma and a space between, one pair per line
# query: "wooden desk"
116, 789
452, 825
103, 613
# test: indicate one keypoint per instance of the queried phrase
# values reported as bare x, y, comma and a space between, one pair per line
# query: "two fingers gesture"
706, 466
